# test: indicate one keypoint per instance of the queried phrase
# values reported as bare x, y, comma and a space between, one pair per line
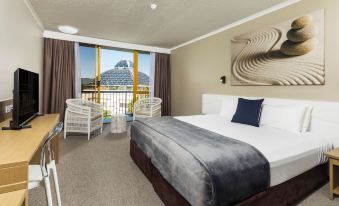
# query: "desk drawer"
13, 178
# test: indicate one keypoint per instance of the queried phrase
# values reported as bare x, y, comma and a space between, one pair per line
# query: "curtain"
162, 82
58, 75
77, 82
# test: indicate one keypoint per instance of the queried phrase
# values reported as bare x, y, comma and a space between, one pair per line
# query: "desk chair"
39, 174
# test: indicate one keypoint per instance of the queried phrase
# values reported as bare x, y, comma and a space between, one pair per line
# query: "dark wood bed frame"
287, 193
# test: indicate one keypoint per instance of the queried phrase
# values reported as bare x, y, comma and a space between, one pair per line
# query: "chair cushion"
145, 112
95, 116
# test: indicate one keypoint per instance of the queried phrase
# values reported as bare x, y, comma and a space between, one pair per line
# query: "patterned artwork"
290, 53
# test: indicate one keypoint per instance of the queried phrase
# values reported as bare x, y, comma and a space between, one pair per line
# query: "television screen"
25, 96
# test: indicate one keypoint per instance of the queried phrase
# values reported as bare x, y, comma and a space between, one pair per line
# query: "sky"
109, 58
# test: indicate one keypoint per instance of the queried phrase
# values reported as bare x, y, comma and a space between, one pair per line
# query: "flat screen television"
25, 98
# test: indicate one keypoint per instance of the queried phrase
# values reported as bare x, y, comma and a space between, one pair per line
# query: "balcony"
113, 101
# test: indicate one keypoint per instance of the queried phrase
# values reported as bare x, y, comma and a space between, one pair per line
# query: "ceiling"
172, 23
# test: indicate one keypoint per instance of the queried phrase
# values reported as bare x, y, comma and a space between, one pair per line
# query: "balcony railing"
113, 101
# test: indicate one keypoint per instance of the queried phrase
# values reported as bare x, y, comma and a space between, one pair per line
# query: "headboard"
324, 119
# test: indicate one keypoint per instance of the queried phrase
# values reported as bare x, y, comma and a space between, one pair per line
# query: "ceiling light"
68, 29
154, 6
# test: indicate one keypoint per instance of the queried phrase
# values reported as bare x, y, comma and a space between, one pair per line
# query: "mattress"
289, 154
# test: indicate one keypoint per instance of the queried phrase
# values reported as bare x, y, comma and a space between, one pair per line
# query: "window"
116, 90
87, 55
144, 68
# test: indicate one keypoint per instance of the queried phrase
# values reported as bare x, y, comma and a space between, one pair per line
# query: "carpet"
101, 172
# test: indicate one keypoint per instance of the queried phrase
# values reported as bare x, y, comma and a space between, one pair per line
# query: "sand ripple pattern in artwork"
255, 64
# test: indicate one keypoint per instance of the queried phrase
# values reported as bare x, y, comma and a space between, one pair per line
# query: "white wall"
21, 44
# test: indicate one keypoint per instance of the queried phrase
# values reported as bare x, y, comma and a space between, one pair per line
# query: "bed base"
287, 193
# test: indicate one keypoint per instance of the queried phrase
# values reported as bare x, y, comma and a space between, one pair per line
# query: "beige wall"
197, 67
20, 43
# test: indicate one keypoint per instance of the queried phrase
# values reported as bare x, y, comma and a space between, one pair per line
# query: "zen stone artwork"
290, 53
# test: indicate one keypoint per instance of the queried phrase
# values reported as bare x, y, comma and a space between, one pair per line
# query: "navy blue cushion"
248, 112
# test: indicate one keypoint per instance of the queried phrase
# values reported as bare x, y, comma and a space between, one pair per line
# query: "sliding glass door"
114, 78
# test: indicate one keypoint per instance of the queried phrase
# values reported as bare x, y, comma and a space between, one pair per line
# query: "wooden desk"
19, 148
15, 198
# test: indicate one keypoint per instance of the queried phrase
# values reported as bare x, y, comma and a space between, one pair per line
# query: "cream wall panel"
197, 67
20, 43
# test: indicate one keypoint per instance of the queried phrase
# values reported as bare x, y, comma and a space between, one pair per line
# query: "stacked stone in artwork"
301, 37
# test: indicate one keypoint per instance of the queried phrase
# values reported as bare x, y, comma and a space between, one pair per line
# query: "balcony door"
114, 78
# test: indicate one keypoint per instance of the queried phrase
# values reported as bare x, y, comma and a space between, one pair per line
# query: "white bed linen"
288, 153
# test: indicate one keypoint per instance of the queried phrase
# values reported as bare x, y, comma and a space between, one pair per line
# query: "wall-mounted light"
223, 79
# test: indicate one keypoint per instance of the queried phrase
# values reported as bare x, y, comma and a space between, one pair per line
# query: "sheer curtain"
152, 74
77, 81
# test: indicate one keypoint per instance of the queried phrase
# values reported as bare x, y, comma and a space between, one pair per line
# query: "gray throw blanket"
236, 170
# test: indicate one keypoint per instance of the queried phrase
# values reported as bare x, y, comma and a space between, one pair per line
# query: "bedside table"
333, 156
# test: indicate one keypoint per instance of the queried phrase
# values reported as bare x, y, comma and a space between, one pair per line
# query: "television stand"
11, 127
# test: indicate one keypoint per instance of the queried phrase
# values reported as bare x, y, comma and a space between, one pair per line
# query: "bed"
296, 162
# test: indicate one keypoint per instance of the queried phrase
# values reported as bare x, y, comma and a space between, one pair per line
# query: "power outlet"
8, 108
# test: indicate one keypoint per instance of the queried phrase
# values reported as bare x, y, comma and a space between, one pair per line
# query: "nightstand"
333, 156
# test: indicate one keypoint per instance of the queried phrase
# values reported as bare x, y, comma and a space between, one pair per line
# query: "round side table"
118, 123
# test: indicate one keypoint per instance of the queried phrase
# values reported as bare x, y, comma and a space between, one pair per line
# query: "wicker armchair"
147, 107
83, 116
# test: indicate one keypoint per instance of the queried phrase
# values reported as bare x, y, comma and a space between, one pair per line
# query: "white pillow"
228, 108
325, 128
287, 117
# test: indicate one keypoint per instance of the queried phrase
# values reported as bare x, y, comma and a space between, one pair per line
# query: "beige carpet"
101, 172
